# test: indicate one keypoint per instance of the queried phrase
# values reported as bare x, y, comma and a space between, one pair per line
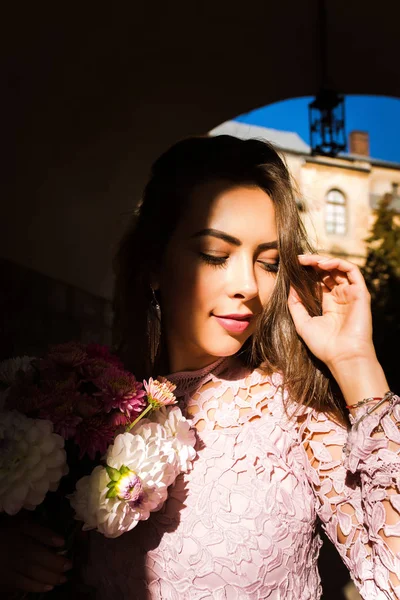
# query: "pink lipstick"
234, 323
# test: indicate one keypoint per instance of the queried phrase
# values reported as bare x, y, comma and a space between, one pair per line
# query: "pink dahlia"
160, 392
121, 390
94, 435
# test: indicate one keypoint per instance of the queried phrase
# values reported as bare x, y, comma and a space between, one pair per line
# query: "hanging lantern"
327, 124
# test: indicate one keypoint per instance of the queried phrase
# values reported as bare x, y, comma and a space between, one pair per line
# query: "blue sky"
378, 115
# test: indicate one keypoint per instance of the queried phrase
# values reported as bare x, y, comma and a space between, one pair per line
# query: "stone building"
337, 196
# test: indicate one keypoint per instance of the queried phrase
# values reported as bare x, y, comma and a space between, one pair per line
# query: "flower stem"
148, 409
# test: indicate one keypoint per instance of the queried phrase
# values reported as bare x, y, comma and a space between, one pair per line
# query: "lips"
234, 323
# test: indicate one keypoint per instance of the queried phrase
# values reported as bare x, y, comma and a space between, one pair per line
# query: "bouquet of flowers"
75, 424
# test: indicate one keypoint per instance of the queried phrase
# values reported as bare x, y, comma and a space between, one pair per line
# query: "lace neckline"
188, 381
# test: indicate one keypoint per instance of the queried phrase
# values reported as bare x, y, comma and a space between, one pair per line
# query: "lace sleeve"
355, 476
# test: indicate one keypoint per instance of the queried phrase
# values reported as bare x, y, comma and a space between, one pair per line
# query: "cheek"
266, 287
189, 287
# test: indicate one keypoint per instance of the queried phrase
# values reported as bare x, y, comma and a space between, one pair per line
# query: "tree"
382, 275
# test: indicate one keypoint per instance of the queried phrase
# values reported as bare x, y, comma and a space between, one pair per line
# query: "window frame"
333, 226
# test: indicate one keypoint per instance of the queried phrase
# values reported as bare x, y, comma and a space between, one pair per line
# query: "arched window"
335, 213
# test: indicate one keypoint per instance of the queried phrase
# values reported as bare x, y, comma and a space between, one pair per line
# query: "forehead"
244, 211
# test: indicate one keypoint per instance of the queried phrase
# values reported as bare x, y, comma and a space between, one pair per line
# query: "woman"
267, 344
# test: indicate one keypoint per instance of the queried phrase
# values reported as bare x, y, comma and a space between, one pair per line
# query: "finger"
42, 557
41, 575
315, 261
20, 582
42, 534
28, 551
352, 271
328, 281
337, 276
298, 311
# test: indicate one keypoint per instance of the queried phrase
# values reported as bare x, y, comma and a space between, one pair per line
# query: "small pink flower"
160, 392
94, 435
121, 390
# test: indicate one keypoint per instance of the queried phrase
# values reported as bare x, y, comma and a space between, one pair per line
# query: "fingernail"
67, 566
47, 588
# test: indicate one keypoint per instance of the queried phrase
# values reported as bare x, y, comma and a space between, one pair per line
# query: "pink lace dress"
242, 524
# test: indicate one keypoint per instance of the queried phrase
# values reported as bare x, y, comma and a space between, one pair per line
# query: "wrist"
360, 378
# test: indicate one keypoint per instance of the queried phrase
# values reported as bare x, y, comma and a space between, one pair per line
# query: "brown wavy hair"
275, 346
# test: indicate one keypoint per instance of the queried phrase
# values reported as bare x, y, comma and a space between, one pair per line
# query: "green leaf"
111, 493
124, 470
113, 474
111, 484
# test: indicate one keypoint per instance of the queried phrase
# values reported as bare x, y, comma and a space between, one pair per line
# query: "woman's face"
219, 271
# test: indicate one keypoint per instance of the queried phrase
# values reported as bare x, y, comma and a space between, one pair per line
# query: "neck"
186, 359
187, 365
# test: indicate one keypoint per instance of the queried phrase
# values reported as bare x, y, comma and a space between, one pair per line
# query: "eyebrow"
233, 240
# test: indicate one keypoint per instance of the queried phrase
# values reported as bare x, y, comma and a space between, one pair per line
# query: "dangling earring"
154, 326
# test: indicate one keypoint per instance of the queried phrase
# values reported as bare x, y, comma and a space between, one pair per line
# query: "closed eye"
272, 267
220, 261
216, 261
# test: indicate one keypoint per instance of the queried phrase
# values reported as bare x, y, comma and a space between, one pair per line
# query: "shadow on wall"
37, 310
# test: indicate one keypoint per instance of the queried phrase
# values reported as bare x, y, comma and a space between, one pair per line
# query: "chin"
225, 347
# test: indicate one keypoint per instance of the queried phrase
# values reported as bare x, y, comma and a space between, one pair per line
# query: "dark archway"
93, 97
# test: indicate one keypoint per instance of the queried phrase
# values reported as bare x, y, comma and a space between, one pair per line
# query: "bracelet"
387, 397
366, 401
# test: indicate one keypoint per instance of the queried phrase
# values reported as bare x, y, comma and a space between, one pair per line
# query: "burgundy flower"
66, 427
61, 411
121, 390
94, 435
103, 352
118, 419
93, 368
55, 380
71, 354
88, 406
26, 398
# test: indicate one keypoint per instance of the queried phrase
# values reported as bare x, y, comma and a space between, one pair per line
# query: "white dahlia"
180, 434
10, 367
32, 461
139, 468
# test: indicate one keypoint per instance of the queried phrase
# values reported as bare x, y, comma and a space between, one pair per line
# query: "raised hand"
344, 331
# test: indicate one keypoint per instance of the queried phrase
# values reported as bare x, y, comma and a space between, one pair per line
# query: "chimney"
359, 143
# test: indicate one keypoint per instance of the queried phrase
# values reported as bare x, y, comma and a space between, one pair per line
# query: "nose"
242, 281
